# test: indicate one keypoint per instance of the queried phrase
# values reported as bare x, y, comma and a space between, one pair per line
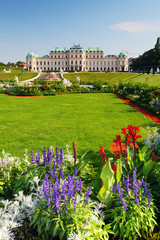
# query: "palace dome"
123, 54
32, 54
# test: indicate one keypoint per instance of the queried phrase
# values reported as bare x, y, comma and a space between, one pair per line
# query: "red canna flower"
154, 157
103, 154
114, 168
75, 152
118, 141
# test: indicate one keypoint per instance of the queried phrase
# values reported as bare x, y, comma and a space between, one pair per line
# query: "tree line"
149, 60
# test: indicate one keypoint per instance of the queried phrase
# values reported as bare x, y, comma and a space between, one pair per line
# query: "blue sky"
113, 26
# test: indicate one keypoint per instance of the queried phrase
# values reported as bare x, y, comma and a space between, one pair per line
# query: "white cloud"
136, 27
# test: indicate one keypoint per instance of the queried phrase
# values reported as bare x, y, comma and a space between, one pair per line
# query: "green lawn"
153, 79
21, 76
91, 120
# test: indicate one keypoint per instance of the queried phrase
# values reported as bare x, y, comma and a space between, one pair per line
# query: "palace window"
58, 56
48, 63
44, 69
71, 56
93, 56
76, 62
97, 56
80, 62
48, 68
51, 68
71, 62
101, 56
51, 63
97, 69
108, 63
55, 56
55, 63
40, 63
76, 56
97, 63
80, 56
44, 63
66, 63
37, 63
58, 63
93, 63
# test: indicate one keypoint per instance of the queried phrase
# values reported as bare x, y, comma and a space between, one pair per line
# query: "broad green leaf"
148, 166
119, 170
105, 197
107, 175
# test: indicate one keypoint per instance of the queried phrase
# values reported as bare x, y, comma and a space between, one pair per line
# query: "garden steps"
50, 76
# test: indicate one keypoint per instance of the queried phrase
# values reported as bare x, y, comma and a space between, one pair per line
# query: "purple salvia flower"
125, 206
87, 194
44, 156
57, 200
85, 223
114, 188
120, 193
134, 177
127, 185
75, 171
49, 156
144, 189
139, 183
57, 156
32, 159
48, 202
135, 187
75, 203
61, 156
118, 185
123, 181
61, 171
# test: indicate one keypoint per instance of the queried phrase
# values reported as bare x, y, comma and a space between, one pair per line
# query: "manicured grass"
21, 76
91, 120
153, 79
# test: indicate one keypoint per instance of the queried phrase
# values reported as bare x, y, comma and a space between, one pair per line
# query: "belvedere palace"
77, 59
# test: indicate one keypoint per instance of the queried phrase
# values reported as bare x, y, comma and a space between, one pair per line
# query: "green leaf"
1, 183
157, 165
119, 170
105, 197
148, 166
107, 175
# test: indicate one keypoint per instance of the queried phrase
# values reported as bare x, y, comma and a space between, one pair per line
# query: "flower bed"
55, 193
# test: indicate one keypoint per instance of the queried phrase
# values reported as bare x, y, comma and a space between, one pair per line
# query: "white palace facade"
77, 59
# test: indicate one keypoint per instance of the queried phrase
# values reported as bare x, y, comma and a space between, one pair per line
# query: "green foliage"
137, 219
148, 60
107, 176
50, 224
